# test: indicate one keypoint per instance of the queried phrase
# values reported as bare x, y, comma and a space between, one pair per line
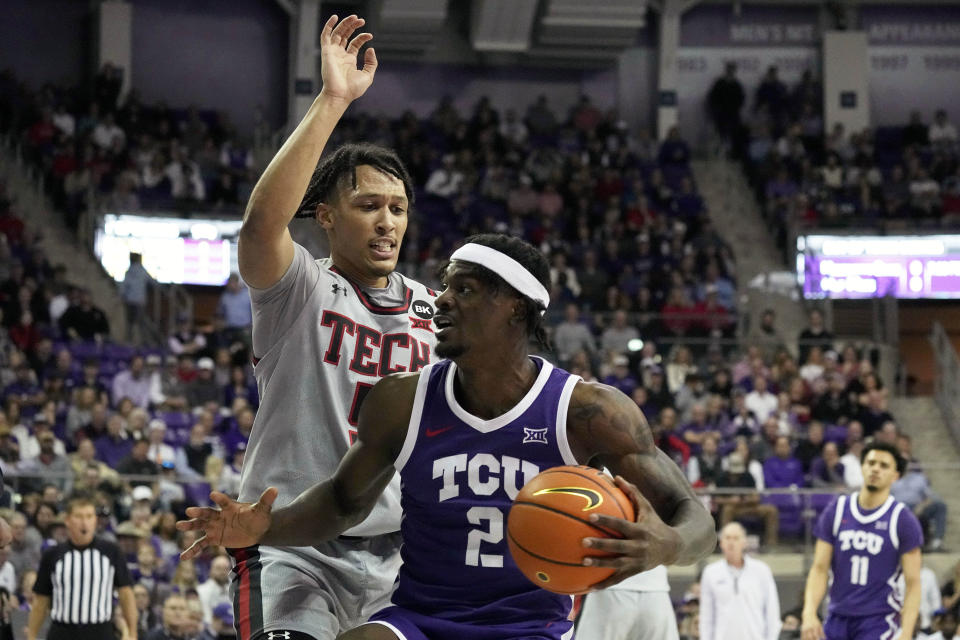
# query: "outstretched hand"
342, 80
234, 525
646, 543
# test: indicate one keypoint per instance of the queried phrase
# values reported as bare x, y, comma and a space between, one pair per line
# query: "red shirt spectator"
25, 334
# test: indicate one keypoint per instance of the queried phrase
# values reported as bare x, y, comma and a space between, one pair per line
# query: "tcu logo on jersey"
485, 474
860, 540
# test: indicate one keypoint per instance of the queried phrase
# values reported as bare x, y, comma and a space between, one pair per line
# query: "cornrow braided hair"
333, 170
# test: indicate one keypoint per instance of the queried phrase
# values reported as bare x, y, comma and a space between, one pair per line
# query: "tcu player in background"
866, 539
324, 332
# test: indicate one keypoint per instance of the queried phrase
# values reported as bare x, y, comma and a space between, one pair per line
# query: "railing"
197, 488
947, 379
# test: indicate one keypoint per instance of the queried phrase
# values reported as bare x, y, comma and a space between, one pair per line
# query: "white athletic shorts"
620, 614
319, 591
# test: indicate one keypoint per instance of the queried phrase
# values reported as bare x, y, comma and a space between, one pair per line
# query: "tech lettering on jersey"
374, 354
485, 474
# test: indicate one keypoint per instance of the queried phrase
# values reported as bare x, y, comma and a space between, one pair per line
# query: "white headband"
513, 273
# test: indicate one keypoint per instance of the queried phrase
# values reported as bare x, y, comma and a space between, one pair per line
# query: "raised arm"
328, 508
606, 428
265, 245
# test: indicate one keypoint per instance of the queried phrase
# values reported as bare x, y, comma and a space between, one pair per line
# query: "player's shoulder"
397, 386
417, 286
596, 396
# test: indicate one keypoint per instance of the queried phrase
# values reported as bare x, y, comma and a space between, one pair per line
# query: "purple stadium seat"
177, 420
118, 351
84, 350
835, 433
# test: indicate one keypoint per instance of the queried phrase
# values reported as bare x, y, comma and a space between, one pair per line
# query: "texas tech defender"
324, 331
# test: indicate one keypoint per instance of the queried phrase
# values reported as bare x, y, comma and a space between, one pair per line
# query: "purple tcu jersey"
459, 475
867, 546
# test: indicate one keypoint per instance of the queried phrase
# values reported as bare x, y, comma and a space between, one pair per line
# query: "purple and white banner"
877, 266
914, 60
914, 25
714, 25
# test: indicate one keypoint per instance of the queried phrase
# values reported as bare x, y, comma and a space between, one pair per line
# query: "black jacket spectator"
84, 321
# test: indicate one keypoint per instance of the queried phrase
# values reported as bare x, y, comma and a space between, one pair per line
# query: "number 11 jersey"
867, 545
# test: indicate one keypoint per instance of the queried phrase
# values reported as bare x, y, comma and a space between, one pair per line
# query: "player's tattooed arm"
606, 428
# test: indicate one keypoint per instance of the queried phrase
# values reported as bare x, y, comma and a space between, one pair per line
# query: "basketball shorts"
878, 627
320, 591
622, 614
410, 625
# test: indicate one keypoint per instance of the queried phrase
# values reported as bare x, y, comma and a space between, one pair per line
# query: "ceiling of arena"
568, 33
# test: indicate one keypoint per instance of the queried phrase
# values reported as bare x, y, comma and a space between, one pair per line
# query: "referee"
76, 580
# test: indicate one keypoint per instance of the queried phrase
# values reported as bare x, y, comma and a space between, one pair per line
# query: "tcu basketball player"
465, 435
866, 540
324, 331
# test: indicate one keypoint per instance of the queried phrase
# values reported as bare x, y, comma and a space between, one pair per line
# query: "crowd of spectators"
644, 299
810, 175
127, 155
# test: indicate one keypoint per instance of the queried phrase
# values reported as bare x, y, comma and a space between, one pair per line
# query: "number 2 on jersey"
859, 566
493, 534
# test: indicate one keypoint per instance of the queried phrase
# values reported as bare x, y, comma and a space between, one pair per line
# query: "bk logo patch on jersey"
422, 309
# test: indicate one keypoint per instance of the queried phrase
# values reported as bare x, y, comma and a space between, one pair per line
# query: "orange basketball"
549, 520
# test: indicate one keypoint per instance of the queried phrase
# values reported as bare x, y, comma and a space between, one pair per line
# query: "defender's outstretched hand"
342, 80
234, 525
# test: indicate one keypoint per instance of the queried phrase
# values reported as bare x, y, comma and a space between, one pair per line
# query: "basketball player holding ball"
324, 332
465, 435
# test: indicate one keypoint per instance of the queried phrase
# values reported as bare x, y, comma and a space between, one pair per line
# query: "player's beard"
872, 488
449, 351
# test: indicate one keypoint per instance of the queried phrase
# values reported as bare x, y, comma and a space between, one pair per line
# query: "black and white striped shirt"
80, 581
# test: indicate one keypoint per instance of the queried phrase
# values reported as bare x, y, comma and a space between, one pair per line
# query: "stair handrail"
947, 378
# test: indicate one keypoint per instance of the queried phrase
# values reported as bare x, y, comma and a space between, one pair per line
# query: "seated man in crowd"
914, 490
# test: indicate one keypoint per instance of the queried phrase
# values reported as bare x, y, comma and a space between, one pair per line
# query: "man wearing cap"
159, 451
133, 383
167, 391
137, 463
621, 378
204, 389
30, 442
221, 624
